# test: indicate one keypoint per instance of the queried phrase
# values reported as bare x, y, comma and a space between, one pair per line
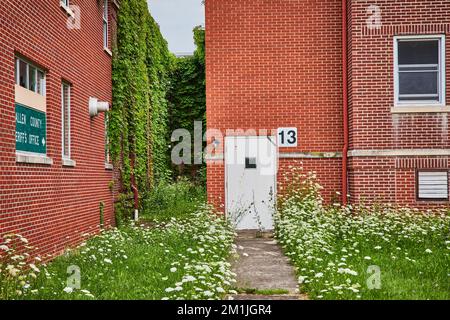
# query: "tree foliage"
187, 95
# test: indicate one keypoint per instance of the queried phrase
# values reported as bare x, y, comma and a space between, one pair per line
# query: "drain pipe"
345, 104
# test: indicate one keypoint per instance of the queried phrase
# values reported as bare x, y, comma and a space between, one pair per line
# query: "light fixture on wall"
216, 143
96, 107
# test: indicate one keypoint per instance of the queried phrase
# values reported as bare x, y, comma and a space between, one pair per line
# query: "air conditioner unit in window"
96, 107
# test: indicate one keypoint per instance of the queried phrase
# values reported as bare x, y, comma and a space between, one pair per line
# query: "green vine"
187, 94
138, 125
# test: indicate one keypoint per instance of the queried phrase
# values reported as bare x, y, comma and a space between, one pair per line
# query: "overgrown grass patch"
178, 200
183, 258
364, 253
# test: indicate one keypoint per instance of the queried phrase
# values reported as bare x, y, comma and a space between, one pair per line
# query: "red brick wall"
276, 63
373, 126
327, 172
53, 205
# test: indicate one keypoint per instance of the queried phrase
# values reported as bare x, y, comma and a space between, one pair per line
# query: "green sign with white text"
31, 130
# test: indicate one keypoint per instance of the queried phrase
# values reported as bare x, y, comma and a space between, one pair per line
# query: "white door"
251, 168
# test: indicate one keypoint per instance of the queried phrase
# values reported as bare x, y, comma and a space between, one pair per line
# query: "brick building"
55, 75
353, 90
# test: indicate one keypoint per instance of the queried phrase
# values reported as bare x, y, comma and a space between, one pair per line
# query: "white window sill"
33, 159
68, 163
108, 51
109, 166
420, 109
67, 10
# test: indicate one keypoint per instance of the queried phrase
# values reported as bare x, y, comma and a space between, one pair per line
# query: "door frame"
273, 139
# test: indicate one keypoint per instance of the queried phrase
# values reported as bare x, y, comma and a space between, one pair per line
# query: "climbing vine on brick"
138, 121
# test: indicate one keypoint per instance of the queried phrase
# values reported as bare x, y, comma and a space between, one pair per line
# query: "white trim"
109, 166
289, 155
32, 158
441, 72
17, 66
309, 155
216, 157
421, 109
108, 51
68, 162
399, 153
67, 8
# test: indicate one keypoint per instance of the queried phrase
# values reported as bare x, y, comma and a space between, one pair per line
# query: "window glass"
66, 120
107, 145
105, 23
40, 83
23, 74
419, 83
105, 34
418, 52
419, 71
32, 78
105, 9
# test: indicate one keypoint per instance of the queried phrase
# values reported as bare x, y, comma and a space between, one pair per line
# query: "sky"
176, 19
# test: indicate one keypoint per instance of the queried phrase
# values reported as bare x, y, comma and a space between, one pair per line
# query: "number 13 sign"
287, 137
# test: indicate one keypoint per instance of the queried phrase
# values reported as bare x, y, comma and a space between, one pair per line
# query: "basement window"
432, 185
419, 70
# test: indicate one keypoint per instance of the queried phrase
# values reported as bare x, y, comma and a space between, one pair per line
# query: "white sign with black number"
287, 137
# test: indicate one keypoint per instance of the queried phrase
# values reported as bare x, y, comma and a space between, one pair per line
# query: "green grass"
177, 200
336, 251
181, 258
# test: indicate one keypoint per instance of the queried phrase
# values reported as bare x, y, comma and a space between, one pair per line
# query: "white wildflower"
68, 289
36, 269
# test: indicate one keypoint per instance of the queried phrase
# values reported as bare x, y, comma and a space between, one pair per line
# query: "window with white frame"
65, 117
419, 70
432, 185
29, 76
65, 3
107, 143
105, 23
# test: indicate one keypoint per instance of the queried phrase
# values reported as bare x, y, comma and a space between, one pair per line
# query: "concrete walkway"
263, 272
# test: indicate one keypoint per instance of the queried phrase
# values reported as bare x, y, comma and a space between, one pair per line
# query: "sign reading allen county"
31, 130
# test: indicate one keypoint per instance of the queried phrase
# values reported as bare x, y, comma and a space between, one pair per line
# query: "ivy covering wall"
138, 121
154, 93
